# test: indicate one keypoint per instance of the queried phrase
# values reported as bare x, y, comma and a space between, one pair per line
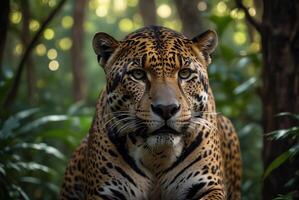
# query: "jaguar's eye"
185, 73
138, 74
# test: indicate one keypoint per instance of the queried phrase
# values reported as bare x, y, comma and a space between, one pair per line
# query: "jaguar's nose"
165, 111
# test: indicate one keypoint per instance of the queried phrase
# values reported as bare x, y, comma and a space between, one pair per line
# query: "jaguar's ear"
206, 43
104, 45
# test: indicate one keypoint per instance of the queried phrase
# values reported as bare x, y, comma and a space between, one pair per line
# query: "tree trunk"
25, 37
4, 21
190, 17
280, 90
147, 9
79, 80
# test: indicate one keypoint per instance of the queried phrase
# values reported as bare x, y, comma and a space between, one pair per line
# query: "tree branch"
12, 93
248, 17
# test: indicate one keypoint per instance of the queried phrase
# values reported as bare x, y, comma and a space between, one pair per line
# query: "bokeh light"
103, 2
221, 8
125, 25
65, 43
252, 11
233, 13
15, 17
101, 11
240, 37
49, 34
240, 14
34, 25
255, 47
164, 11
52, 54
92, 4
53, 65
202, 6
102, 8
52, 3
237, 14
67, 22
18, 49
40, 49
119, 5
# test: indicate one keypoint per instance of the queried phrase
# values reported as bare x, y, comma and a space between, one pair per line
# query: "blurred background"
50, 80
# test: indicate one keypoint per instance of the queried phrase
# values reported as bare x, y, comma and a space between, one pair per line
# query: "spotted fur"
156, 133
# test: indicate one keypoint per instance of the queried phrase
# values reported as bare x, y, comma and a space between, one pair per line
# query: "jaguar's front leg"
202, 191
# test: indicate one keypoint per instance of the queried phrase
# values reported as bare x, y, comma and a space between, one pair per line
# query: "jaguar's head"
157, 83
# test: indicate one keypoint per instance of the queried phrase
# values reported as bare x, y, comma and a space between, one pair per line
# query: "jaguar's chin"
163, 140
164, 137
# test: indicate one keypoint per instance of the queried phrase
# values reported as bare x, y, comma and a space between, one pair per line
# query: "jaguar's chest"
154, 159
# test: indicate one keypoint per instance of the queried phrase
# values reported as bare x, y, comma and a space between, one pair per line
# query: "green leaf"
295, 116
39, 182
9, 125
41, 121
13, 122
40, 147
288, 196
283, 133
26, 113
63, 135
74, 108
21, 192
2, 170
277, 162
290, 182
294, 150
245, 86
31, 166
85, 122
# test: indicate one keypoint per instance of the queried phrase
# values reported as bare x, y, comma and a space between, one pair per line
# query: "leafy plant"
289, 155
27, 161
17, 142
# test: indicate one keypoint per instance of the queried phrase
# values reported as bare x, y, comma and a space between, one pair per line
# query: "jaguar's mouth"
164, 130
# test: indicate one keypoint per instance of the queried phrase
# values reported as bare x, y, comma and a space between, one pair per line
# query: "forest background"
50, 80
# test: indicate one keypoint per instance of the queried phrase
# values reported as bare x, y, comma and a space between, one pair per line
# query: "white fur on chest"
157, 150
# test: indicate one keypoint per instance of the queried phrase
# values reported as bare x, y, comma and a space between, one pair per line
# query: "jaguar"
156, 133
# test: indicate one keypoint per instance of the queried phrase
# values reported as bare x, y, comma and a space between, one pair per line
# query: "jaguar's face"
157, 82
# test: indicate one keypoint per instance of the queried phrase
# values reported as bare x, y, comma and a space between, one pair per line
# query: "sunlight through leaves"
52, 54
49, 34
40, 49
67, 22
53, 65
65, 43
164, 11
